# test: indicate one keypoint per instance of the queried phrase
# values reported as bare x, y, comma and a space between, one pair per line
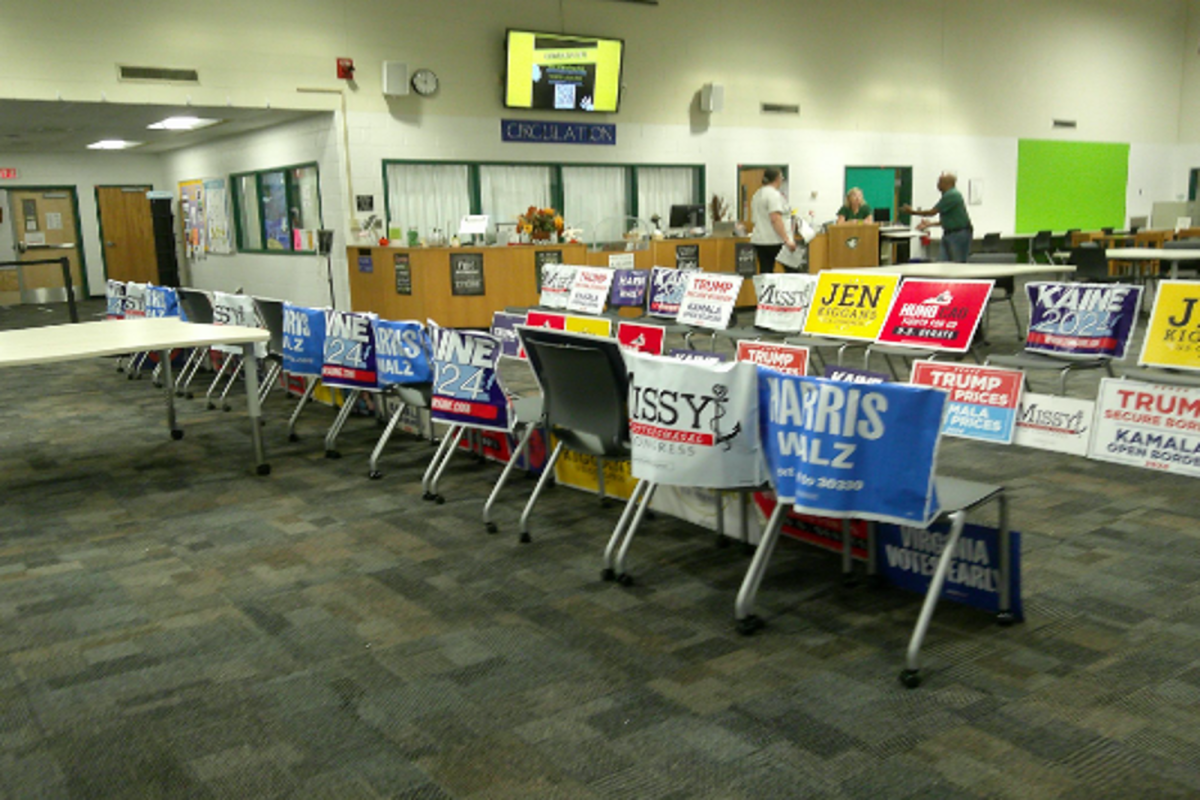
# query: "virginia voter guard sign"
466, 390
983, 400
1082, 320
1173, 336
851, 305
832, 448
349, 354
936, 315
1148, 425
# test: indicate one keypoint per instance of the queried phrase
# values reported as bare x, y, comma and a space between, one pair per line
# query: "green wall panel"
1063, 185
878, 185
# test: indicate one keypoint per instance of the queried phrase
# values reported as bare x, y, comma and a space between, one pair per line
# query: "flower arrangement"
718, 207
539, 223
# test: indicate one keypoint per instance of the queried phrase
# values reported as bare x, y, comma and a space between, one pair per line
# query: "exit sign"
8, 173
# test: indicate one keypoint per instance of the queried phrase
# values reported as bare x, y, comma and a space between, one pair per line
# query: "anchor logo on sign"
852, 242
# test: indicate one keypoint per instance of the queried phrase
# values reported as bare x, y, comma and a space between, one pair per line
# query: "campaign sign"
540, 259
628, 287
1173, 336
850, 305
1083, 320
504, 329
708, 299
745, 259
466, 389
833, 448
596, 326
983, 400
114, 295
546, 319
687, 256
693, 424
854, 375
783, 301
937, 315
303, 340
1148, 425
402, 352
666, 292
466, 274
161, 301
704, 356
642, 338
787, 358
349, 360
589, 290
135, 300
823, 532
557, 280
236, 309
1050, 422
908, 557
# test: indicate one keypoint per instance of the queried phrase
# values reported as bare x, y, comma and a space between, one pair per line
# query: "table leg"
164, 361
250, 362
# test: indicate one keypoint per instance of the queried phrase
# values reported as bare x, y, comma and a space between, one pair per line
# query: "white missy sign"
1050, 422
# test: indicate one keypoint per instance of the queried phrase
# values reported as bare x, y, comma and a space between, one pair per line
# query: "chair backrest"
1182, 244
1042, 241
1008, 284
1090, 260
991, 242
585, 389
271, 314
196, 304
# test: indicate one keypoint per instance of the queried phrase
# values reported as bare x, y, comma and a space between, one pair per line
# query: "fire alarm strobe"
345, 68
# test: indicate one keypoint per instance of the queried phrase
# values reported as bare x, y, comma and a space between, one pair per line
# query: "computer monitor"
688, 216
883, 215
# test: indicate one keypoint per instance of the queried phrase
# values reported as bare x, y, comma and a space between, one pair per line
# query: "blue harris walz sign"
538, 132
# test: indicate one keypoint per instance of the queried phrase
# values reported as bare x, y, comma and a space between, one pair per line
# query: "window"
659, 188
278, 210
506, 192
425, 197
592, 195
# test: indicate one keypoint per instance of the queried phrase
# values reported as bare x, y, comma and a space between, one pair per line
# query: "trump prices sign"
1173, 338
708, 299
851, 305
983, 400
787, 358
1082, 319
1148, 425
937, 315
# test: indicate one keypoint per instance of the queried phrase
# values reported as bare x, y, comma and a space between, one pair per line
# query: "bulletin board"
1064, 185
191, 214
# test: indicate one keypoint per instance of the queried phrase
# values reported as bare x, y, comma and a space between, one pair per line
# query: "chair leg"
1005, 614
268, 383
614, 541
449, 454
514, 457
911, 676
747, 622
304, 398
1016, 318
847, 553
537, 491
185, 387
232, 379
374, 473
212, 387
331, 435
426, 480
624, 578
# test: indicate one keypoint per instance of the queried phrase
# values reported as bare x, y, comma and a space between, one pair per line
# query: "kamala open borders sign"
538, 132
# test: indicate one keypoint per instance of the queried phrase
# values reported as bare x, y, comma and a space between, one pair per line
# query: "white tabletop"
956, 270
1150, 254
114, 337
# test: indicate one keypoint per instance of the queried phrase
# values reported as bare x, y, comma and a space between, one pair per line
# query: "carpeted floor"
173, 626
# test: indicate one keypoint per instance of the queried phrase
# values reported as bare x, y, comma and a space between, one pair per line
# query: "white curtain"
428, 196
507, 191
308, 192
248, 220
592, 195
659, 188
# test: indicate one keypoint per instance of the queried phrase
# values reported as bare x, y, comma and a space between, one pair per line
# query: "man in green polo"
951, 212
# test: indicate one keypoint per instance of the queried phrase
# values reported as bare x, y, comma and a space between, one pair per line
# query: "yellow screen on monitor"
563, 73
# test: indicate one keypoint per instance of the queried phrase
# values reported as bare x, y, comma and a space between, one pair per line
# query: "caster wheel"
606, 503
211, 407
120, 370
263, 469
607, 574
437, 498
227, 409
1005, 618
625, 579
650, 515
190, 395
749, 625
525, 537
491, 527
849, 581
876, 581
747, 549
375, 475
177, 435
333, 454
428, 496
130, 377
722, 542
292, 437
157, 385
179, 394
911, 678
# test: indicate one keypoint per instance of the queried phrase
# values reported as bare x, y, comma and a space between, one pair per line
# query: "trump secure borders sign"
1148, 425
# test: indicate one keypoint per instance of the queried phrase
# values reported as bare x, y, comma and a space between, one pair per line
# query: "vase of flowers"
540, 224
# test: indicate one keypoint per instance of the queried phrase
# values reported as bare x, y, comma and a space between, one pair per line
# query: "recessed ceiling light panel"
182, 124
112, 144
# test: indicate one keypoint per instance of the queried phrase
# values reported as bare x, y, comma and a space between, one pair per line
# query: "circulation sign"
937, 315
851, 305
1082, 319
983, 400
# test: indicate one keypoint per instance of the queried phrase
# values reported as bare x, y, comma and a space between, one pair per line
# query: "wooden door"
127, 232
44, 227
750, 180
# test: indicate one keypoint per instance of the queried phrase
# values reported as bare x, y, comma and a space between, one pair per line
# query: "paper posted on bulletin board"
192, 218
217, 217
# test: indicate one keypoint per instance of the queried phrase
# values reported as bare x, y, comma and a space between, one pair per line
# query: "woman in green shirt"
856, 207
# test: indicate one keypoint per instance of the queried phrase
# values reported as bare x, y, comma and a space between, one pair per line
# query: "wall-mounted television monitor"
687, 216
882, 215
554, 72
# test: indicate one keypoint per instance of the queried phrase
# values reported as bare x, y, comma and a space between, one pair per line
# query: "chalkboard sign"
466, 273
747, 264
540, 259
687, 256
403, 274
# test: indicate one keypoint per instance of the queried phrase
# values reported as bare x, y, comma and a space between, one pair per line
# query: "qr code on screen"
564, 95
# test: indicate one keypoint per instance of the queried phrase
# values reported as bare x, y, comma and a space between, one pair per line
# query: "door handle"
110, 244
22, 247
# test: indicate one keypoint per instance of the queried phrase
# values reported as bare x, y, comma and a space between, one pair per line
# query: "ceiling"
32, 126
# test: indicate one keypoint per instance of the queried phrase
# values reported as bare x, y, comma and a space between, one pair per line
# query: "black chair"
1172, 268
1042, 244
1005, 289
991, 243
197, 307
1091, 264
585, 390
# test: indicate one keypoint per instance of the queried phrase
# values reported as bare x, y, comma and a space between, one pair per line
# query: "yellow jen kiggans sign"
579, 471
850, 305
1173, 336
594, 325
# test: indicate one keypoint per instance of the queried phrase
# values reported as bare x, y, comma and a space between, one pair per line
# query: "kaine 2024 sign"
537, 132
465, 386
1082, 319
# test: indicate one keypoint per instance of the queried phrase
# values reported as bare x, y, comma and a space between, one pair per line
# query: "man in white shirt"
771, 215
